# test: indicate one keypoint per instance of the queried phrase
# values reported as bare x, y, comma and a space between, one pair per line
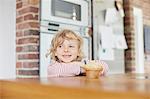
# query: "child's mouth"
67, 56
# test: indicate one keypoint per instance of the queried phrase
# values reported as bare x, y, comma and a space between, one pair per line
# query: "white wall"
7, 39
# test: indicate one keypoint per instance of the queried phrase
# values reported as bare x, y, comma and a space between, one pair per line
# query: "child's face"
67, 51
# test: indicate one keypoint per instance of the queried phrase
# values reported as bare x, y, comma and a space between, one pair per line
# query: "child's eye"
60, 46
71, 46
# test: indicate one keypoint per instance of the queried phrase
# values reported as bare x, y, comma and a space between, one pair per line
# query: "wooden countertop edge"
20, 90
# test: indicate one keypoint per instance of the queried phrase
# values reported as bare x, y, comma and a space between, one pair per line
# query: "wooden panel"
76, 88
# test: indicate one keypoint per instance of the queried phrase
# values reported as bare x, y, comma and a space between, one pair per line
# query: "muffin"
92, 69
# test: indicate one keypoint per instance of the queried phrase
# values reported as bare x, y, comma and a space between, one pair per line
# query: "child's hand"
105, 67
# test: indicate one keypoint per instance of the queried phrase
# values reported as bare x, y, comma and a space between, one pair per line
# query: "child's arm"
63, 69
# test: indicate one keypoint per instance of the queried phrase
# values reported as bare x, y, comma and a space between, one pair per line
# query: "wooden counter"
111, 87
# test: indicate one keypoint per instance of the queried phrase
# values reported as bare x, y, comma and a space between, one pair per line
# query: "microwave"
65, 11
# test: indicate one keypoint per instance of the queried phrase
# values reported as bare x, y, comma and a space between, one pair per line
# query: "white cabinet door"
45, 41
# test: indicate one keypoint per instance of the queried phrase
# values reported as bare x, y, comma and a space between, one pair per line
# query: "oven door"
65, 11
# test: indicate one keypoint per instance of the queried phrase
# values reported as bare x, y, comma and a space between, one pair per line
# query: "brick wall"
129, 31
129, 34
27, 38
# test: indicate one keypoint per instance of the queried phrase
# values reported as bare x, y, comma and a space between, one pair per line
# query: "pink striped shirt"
56, 69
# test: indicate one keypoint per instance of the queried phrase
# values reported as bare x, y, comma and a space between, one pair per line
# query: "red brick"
34, 2
19, 33
30, 17
28, 56
28, 48
19, 5
18, 0
19, 19
28, 72
28, 10
30, 64
28, 40
28, 25
31, 32
19, 65
18, 49
34, 25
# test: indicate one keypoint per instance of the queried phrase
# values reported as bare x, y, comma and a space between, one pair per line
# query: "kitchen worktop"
120, 86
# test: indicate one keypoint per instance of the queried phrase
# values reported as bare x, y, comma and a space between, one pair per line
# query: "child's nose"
66, 49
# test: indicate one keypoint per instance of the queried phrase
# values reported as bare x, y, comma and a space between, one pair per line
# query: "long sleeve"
63, 69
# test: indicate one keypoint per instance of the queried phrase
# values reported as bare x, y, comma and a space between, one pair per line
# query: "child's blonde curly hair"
59, 38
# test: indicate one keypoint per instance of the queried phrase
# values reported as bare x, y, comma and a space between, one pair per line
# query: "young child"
66, 55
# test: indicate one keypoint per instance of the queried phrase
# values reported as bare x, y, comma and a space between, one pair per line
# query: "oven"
71, 11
